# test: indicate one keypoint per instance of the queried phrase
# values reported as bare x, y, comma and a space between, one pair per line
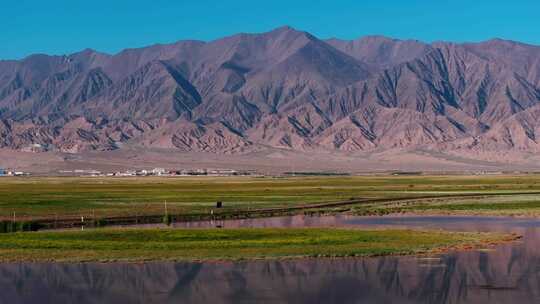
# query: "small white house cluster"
157, 172
4, 172
144, 172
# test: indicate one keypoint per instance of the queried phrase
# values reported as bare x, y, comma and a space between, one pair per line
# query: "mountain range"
284, 89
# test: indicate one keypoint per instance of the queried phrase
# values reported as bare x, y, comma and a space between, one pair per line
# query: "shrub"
99, 222
167, 219
8, 227
3, 227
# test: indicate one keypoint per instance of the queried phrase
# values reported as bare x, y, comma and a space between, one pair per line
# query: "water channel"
508, 273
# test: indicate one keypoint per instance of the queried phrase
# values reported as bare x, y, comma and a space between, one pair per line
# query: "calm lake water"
508, 274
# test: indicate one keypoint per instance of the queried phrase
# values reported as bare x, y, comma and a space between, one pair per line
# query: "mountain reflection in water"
508, 274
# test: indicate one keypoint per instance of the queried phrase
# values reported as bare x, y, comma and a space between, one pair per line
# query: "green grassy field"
48, 198
107, 245
515, 205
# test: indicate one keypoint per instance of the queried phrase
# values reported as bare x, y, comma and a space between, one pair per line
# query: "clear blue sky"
66, 26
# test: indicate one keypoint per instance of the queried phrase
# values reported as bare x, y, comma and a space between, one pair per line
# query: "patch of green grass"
49, 198
523, 205
477, 207
217, 244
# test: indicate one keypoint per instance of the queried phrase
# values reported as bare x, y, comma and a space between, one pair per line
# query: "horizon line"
65, 54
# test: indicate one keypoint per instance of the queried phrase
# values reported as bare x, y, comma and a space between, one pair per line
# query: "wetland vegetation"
30, 199
27, 203
106, 245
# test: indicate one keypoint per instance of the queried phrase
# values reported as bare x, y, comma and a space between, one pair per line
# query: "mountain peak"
284, 28
506, 43
87, 52
281, 87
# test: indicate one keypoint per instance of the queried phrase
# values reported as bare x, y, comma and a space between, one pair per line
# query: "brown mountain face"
283, 89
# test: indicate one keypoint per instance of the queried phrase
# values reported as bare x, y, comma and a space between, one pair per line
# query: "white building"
159, 171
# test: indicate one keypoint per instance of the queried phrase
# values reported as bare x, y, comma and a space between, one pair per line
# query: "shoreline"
315, 209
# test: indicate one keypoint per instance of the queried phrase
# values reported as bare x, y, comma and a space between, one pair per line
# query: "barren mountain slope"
280, 89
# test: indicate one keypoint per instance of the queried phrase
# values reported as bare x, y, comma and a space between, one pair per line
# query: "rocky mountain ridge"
282, 89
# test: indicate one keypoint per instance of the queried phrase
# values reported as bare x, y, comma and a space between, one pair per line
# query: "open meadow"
53, 202
31, 199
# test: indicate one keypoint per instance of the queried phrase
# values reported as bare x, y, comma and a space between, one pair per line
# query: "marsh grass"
519, 205
49, 198
228, 244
